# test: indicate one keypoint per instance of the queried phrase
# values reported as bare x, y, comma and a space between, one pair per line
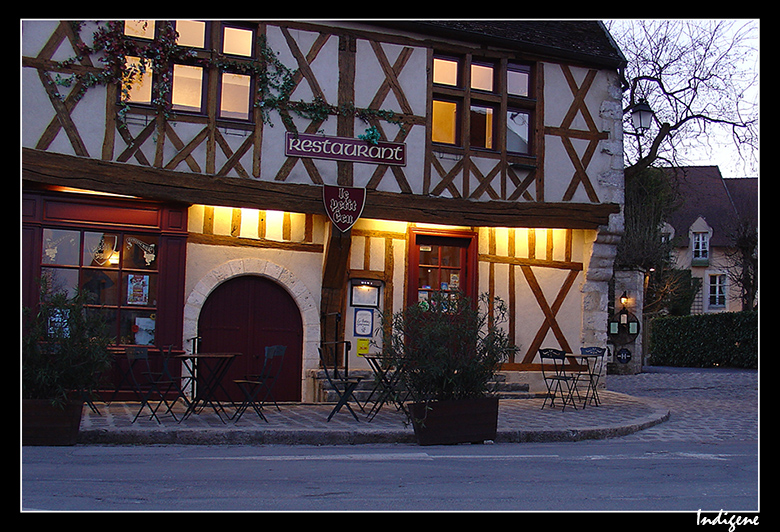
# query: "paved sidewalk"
519, 420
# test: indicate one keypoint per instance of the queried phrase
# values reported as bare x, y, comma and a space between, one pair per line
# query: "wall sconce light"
624, 299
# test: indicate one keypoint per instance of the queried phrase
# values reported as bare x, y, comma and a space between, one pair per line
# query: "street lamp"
641, 115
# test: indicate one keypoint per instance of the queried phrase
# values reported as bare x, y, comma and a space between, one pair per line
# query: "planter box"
450, 422
46, 424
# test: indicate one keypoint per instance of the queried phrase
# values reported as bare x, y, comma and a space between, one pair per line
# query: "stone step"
503, 389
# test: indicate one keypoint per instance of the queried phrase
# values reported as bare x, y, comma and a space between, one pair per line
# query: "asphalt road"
704, 458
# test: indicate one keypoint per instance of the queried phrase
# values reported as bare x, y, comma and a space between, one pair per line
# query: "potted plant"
450, 348
64, 352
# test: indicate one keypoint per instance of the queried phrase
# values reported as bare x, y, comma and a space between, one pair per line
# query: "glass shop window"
118, 271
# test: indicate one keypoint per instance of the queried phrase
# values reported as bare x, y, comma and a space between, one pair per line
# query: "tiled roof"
583, 40
719, 201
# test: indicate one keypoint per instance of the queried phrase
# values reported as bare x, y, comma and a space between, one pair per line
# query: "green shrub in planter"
64, 348
450, 349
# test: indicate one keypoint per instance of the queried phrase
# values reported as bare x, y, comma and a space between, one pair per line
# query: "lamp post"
641, 116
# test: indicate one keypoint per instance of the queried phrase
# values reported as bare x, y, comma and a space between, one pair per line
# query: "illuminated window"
235, 96
143, 29
482, 77
445, 122
237, 41
441, 262
474, 116
445, 71
187, 88
192, 33
118, 272
138, 81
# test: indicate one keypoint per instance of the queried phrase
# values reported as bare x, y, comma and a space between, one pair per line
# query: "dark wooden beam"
167, 185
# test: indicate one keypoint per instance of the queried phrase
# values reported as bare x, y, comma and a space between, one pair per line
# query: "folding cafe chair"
557, 378
148, 383
253, 386
594, 357
341, 382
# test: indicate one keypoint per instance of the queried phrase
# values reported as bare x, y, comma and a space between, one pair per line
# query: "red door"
245, 315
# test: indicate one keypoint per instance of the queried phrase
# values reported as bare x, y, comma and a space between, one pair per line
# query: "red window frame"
465, 240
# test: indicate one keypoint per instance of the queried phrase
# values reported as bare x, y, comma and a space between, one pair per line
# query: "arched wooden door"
245, 315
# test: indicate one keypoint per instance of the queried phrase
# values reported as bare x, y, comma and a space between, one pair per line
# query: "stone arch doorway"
245, 314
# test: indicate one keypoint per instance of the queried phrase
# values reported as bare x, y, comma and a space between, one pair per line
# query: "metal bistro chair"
167, 374
253, 385
596, 354
342, 383
557, 379
148, 382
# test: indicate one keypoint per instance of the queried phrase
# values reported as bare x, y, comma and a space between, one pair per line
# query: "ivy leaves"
274, 81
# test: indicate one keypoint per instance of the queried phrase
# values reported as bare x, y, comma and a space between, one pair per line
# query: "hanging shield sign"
344, 205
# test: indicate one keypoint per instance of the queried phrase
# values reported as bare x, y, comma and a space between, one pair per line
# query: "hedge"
727, 339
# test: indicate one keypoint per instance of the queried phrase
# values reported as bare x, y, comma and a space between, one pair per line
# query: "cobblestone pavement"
660, 404
705, 405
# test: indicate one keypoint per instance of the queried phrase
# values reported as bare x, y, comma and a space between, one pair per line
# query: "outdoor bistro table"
207, 371
386, 384
591, 361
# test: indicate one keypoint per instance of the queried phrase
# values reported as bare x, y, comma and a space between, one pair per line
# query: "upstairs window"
188, 78
192, 33
469, 110
701, 249
140, 29
187, 88
518, 79
445, 71
482, 77
138, 84
237, 41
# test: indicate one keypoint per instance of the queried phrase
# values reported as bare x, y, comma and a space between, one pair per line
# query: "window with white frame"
701, 246
717, 296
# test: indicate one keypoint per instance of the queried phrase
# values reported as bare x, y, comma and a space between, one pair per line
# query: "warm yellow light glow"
236, 41
191, 33
141, 87
140, 28
187, 87
482, 77
445, 72
444, 122
235, 96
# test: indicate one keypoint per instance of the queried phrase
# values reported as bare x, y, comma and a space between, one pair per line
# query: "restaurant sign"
344, 205
344, 149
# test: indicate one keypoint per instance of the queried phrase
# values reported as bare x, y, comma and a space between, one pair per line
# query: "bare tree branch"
699, 77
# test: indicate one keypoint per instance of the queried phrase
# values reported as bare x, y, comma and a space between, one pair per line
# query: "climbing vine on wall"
274, 81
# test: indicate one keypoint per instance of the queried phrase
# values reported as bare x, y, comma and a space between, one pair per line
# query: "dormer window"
701, 249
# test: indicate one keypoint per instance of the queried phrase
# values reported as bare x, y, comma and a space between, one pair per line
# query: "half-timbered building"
245, 182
